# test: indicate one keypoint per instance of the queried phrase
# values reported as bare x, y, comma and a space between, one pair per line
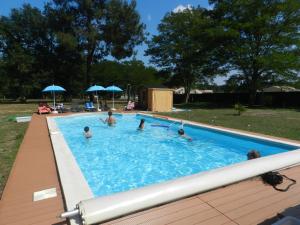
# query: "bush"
239, 108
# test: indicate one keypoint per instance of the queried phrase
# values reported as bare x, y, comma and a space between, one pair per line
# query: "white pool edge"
75, 187
95, 210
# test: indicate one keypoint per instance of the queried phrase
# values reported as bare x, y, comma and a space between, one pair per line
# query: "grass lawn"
276, 122
11, 135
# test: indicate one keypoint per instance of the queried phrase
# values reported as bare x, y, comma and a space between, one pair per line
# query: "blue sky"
151, 11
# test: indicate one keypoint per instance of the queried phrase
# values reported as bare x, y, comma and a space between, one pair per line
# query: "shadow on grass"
211, 105
202, 105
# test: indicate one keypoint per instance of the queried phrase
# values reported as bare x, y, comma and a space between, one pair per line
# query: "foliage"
24, 45
100, 28
186, 47
261, 40
239, 108
129, 74
61, 43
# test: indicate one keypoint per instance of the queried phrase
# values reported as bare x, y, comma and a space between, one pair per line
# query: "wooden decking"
244, 203
33, 170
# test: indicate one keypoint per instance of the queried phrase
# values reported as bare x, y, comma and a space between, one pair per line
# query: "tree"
262, 40
129, 74
137, 75
24, 45
186, 47
102, 28
65, 60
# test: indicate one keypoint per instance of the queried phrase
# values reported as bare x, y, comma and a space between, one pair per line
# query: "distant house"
280, 89
193, 91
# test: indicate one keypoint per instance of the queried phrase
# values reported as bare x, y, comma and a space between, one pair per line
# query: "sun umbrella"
96, 88
113, 89
53, 88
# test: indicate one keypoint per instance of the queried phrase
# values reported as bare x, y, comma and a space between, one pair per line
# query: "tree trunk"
252, 91
128, 92
88, 70
187, 90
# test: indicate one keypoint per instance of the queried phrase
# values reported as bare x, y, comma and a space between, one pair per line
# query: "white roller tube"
108, 207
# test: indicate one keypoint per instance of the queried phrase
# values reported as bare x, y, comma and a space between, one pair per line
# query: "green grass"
276, 122
11, 136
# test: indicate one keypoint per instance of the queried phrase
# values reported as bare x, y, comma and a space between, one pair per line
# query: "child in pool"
110, 120
253, 154
142, 125
87, 133
182, 134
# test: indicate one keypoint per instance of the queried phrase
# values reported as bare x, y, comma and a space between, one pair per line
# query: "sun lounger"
130, 106
88, 106
43, 109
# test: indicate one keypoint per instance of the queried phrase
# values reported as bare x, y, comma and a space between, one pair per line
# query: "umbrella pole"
113, 101
97, 101
54, 101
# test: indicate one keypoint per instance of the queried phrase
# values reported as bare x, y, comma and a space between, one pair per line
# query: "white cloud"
210, 7
149, 17
181, 8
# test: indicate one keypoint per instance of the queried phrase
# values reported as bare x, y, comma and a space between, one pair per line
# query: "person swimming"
253, 154
142, 125
87, 133
182, 134
110, 120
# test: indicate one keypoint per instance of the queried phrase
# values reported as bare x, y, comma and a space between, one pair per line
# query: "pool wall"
75, 187
94, 210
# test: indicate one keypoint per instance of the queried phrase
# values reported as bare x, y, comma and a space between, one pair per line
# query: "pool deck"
247, 202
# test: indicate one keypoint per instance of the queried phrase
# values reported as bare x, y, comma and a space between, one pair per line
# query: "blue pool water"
121, 158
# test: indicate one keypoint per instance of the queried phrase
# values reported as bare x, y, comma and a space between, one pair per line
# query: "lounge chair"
43, 109
88, 106
130, 106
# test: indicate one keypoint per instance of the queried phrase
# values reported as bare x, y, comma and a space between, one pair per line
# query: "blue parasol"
53, 88
113, 89
96, 88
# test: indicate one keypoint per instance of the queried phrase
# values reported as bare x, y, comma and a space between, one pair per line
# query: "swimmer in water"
253, 154
182, 134
87, 133
110, 120
142, 125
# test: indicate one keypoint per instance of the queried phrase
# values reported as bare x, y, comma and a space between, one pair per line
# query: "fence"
271, 99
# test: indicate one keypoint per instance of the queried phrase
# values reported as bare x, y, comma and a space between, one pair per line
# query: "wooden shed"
156, 99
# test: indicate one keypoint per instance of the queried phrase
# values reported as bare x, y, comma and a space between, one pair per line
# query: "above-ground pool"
121, 158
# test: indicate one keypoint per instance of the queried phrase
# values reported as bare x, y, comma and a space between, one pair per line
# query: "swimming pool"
88, 206
120, 158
